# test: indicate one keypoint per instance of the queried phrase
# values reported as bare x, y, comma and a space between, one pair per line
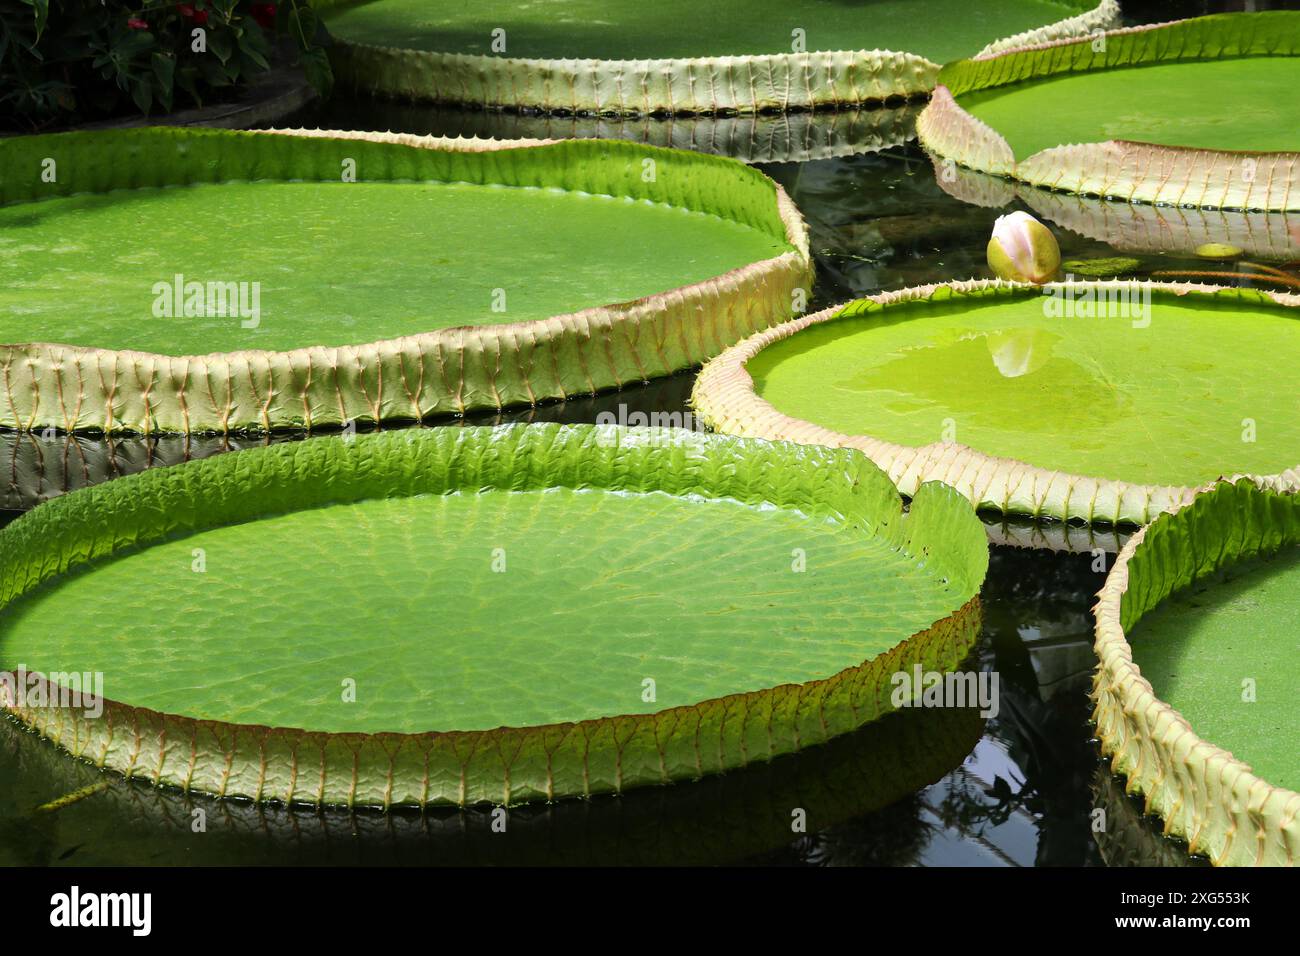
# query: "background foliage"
73, 61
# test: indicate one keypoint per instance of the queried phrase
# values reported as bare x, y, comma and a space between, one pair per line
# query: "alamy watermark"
22, 689
1098, 300
639, 419
193, 299
922, 688
75, 908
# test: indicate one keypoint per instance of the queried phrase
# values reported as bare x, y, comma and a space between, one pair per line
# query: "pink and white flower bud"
1022, 249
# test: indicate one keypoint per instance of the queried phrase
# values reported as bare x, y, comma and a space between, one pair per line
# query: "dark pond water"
924, 788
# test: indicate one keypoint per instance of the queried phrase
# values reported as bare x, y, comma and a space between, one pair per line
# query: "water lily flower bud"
1023, 249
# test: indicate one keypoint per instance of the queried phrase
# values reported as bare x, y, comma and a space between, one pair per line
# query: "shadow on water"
38, 466
1130, 836
752, 138
865, 781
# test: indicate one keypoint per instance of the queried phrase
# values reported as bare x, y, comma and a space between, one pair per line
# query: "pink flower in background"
199, 17
135, 23
264, 14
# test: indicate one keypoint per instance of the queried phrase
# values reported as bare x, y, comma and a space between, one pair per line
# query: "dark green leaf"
142, 94
221, 43
316, 67
302, 25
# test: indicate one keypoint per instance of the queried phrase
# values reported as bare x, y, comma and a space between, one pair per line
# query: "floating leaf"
1100, 401
679, 56
451, 275
1196, 112
503, 615
1135, 228
1195, 695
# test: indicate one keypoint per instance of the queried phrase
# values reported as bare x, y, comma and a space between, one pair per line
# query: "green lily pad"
599, 610
1094, 401
1197, 651
1219, 105
1198, 112
450, 275
1197, 689
339, 283
677, 55
1138, 228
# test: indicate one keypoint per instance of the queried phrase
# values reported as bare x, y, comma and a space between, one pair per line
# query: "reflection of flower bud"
1023, 249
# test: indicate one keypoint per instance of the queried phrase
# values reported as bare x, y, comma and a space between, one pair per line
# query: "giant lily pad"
1100, 401
271, 291
678, 56
502, 615
1141, 228
1196, 695
1199, 112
